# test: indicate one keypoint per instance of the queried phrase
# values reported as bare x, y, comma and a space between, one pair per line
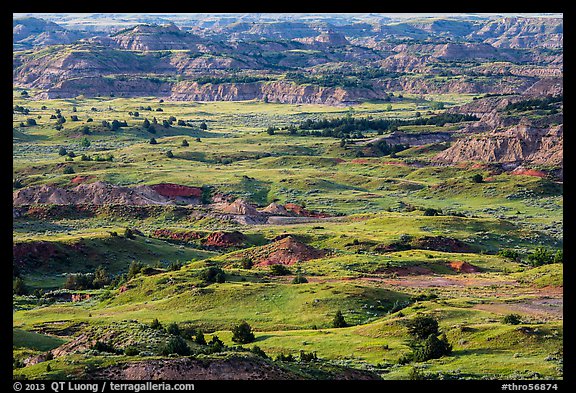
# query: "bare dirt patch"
225, 239
286, 251
463, 267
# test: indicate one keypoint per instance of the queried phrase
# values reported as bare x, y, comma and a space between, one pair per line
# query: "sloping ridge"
231, 367
100, 193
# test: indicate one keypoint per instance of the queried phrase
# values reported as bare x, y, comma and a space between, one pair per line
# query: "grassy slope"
301, 170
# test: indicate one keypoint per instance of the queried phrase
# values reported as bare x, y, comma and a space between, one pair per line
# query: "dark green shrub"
433, 347
104, 347
285, 358
509, 254
339, 321
216, 345
258, 351
18, 287
131, 350
156, 325
177, 345
279, 270
512, 319
477, 178
307, 357
421, 327
431, 212
299, 279
242, 333
17, 183
173, 329
213, 274
541, 256
187, 332
134, 269
246, 263
199, 339
129, 233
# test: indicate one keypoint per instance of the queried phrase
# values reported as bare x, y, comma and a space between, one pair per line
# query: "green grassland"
371, 202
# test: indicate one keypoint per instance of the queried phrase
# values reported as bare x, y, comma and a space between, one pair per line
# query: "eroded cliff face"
520, 144
279, 91
522, 33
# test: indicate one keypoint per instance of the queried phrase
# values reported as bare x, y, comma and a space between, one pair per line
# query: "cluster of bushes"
212, 274
349, 127
114, 125
540, 256
234, 78
81, 281
108, 157
535, 103
176, 343
29, 123
384, 149
303, 357
21, 109
180, 336
279, 270
328, 80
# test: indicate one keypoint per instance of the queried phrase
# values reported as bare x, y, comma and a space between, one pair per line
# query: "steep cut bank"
232, 367
102, 193
520, 144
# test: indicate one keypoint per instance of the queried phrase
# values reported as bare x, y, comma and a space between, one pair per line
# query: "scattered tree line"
350, 127
82, 281
235, 78
21, 109
345, 78
534, 103
538, 257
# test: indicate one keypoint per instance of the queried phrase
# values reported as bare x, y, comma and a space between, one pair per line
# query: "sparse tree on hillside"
177, 345
242, 333
422, 326
477, 178
339, 320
